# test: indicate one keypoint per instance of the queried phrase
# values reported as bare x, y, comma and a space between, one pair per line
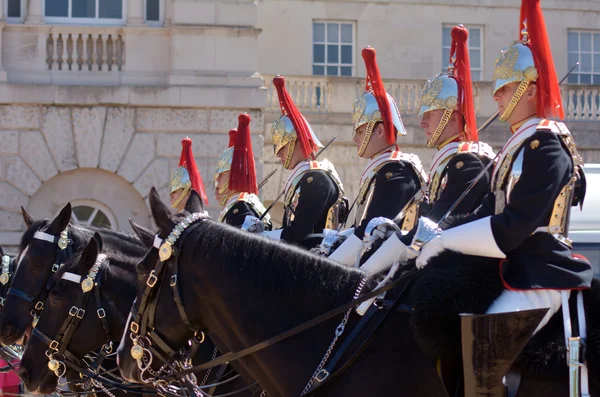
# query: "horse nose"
24, 375
7, 332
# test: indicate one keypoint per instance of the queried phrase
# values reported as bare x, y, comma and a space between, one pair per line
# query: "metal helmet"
452, 91
375, 105
292, 126
530, 60
187, 176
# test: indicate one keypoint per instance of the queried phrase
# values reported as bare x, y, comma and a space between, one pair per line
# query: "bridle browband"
64, 250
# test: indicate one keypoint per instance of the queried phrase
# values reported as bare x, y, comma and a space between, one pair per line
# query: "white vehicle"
584, 228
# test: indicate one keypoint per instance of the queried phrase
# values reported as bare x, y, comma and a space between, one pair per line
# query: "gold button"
235, 211
534, 144
459, 165
388, 175
309, 179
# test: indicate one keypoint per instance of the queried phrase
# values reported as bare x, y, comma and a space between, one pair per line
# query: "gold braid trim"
440, 128
222, 190
181, 196
366, 138
514, 100
290, 153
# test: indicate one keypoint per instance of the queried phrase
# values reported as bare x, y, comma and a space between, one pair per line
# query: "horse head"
85, 311
40, 255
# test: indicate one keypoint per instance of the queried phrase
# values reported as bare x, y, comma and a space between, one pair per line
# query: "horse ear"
1, 252
194, 203
27, 218
61, 221
89, 255
146, 235
98, 239
160, 212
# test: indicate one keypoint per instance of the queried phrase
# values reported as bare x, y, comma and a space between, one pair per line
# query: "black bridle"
64, 250
8, 270
58, 347
142, 324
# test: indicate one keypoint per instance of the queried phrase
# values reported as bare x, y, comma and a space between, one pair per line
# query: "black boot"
490, 345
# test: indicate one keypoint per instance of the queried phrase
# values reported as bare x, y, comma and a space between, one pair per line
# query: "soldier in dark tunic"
235, 179
391, 178
523, 221
314, 196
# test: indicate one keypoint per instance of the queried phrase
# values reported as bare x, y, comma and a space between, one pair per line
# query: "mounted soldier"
235, 179
391, 178
523, 221
314, 196
448, 119
185, 178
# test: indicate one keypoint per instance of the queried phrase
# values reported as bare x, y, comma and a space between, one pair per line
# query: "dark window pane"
332, 54
475, 56
319, 53
573, 78
332, 71
318, 70
596, 63
475, 37
57, 8
446, 38
14, 8
152, 10
346, 71
597, 42
346, 33
347, 54
318, 32
572, 59
573, 41
445, 59
585, 40
83, 9
83, 212
585, 79
475, 75
101, 220
586, 63
597, 82
110, 9
333, 30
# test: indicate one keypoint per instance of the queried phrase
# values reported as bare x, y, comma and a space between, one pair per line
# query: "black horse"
246, 289
103, 316
41, 256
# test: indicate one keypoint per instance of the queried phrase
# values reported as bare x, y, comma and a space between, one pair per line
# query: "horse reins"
64, 250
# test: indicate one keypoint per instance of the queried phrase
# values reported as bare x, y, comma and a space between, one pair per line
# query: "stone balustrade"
324, 94
78, 48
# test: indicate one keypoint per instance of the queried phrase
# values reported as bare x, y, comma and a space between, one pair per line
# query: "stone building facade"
92, 111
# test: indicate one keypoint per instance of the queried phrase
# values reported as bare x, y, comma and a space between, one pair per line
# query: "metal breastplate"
438, 181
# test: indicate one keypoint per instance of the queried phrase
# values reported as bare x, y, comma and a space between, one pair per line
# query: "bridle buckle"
152, 279
134, 327
101, 313
54, 345
39, 305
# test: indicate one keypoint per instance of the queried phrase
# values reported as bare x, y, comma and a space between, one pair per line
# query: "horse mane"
246, 259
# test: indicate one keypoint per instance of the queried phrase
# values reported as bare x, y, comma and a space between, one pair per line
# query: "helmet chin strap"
222, 191
181, 197
440, 128
366, 138
514, 100
290, 154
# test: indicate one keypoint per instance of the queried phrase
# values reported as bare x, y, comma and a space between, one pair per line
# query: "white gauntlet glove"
253, 225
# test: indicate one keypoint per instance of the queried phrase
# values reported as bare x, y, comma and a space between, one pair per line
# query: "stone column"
135, 12
34, 12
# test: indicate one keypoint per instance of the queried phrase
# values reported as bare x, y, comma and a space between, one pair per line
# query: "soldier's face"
175, 196
430, 121
219, 183
504, 94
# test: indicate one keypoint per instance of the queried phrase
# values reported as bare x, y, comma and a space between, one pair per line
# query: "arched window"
90, 212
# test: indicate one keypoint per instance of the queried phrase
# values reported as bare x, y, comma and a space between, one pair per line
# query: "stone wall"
138, 146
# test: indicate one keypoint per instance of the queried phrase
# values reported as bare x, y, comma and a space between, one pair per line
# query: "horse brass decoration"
137, 352
4, 278
165, 251
87, 285
53, 365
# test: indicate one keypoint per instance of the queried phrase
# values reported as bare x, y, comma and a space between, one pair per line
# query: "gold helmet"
530, 60
187, 176
292, 127
224, 163
452, 90
375, 105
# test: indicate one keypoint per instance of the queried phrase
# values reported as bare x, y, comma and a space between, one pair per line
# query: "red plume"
242, 177
462, 70
374, 78
232, 133
187, 160
307, 143
549, 103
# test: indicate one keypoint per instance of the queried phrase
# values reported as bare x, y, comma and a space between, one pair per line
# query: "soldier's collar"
387, 149
515, 127
447, 141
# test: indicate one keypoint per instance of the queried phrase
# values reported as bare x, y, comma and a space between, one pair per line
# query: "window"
89, 212
14, 10
474, 42
102, 12
153, 12
584, 47
333, 48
